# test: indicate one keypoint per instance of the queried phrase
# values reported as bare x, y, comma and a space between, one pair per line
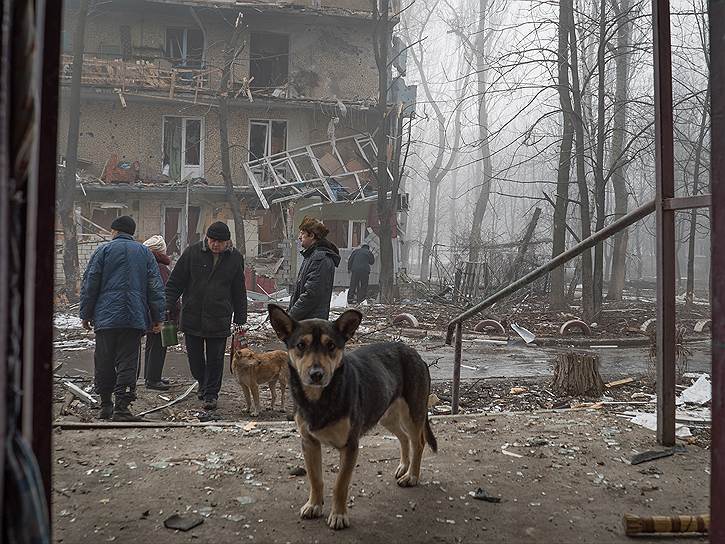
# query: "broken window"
266, 137
346, 233
269, 60
183, 147
185, 47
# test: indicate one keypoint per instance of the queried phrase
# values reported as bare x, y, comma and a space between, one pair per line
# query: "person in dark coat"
121, 297
358, 264
313, 289
210, 276
154, 351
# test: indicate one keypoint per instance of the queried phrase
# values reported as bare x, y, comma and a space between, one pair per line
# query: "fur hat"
219, 231
314, 226
125, 224
156, 243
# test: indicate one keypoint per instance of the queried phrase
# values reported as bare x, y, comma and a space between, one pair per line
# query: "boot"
122, 413
106, 411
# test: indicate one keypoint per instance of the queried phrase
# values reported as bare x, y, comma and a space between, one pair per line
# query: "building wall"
328, 60
135, 133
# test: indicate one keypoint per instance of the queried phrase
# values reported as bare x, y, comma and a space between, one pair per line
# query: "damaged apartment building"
302, 96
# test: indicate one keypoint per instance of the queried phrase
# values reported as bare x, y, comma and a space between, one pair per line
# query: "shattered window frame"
267, 78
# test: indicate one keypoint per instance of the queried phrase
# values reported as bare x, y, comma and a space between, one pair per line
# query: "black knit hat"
219, 231
124, 224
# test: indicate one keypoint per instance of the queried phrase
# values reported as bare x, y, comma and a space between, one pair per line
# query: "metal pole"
717, 236
665, 178
185, 219
457, 368
621, 223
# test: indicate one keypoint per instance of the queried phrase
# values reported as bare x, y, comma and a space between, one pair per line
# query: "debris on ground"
481, 495
183, 522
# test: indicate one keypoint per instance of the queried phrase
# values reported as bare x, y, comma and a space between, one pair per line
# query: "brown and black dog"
251, 369
339, 396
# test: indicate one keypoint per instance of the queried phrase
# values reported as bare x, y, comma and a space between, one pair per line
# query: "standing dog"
251, 369
340, 396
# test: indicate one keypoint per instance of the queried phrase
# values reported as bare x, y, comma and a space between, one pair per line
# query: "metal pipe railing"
457, 323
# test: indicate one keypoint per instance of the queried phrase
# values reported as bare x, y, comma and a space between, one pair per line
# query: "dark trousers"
358, 286
155, 355
116, 362
206, 362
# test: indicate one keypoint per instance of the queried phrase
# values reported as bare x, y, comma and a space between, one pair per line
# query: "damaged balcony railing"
337, 170
157, 74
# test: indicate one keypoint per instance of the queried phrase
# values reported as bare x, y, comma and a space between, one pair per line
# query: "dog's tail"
429, 437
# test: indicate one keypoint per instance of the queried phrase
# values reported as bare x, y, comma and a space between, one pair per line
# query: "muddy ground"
568, 479
571, 483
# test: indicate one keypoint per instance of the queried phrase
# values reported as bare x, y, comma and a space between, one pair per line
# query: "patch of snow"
67, 321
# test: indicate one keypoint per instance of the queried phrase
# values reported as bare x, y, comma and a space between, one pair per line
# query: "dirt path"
570, 485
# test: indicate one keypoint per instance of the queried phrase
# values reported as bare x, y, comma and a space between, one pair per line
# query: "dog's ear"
282, 323
348, 323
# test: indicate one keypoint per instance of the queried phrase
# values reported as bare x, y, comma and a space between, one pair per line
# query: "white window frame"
363, 232
202, 139
268, 143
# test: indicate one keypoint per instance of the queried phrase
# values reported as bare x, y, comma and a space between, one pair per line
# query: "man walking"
359, 265
121, 297
210, 276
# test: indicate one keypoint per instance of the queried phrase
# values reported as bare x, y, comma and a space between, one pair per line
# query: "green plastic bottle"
169, 337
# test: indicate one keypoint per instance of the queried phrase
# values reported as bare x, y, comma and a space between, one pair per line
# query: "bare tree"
441, 165
386, 185
557, 297
234, 46
618, 160
585, 218
66, 199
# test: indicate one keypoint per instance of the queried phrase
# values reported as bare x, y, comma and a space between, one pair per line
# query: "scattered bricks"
703, 325
406, 319
575, 324
647, 325
489, 325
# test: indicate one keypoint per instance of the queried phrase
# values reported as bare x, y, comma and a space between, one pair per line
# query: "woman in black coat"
313, 289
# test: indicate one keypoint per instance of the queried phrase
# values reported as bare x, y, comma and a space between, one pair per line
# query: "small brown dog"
251, 369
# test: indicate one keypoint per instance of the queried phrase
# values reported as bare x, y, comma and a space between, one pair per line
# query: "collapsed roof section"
338, 170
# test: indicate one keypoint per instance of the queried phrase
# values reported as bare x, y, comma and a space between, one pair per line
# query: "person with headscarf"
154, 351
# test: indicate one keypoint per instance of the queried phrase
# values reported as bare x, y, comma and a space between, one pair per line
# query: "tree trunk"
586, 230
618, 164
577, 374
695, 188
483, 134
230, 54
66, 200
558, 278
600, 185
528, 235
384, 207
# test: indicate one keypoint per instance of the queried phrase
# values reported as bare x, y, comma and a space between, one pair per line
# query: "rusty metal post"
717, 236
665, 179
456, 393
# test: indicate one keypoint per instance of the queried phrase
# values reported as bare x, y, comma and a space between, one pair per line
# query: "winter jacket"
122, 286
163, 261
313, 290
209, 294
360, 260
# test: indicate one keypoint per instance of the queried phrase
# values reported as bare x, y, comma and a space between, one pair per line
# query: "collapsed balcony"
340, 170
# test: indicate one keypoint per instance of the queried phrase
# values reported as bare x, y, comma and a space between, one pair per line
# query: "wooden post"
665, 183
457, 368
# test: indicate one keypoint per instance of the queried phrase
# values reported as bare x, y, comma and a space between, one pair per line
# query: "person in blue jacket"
122, 296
